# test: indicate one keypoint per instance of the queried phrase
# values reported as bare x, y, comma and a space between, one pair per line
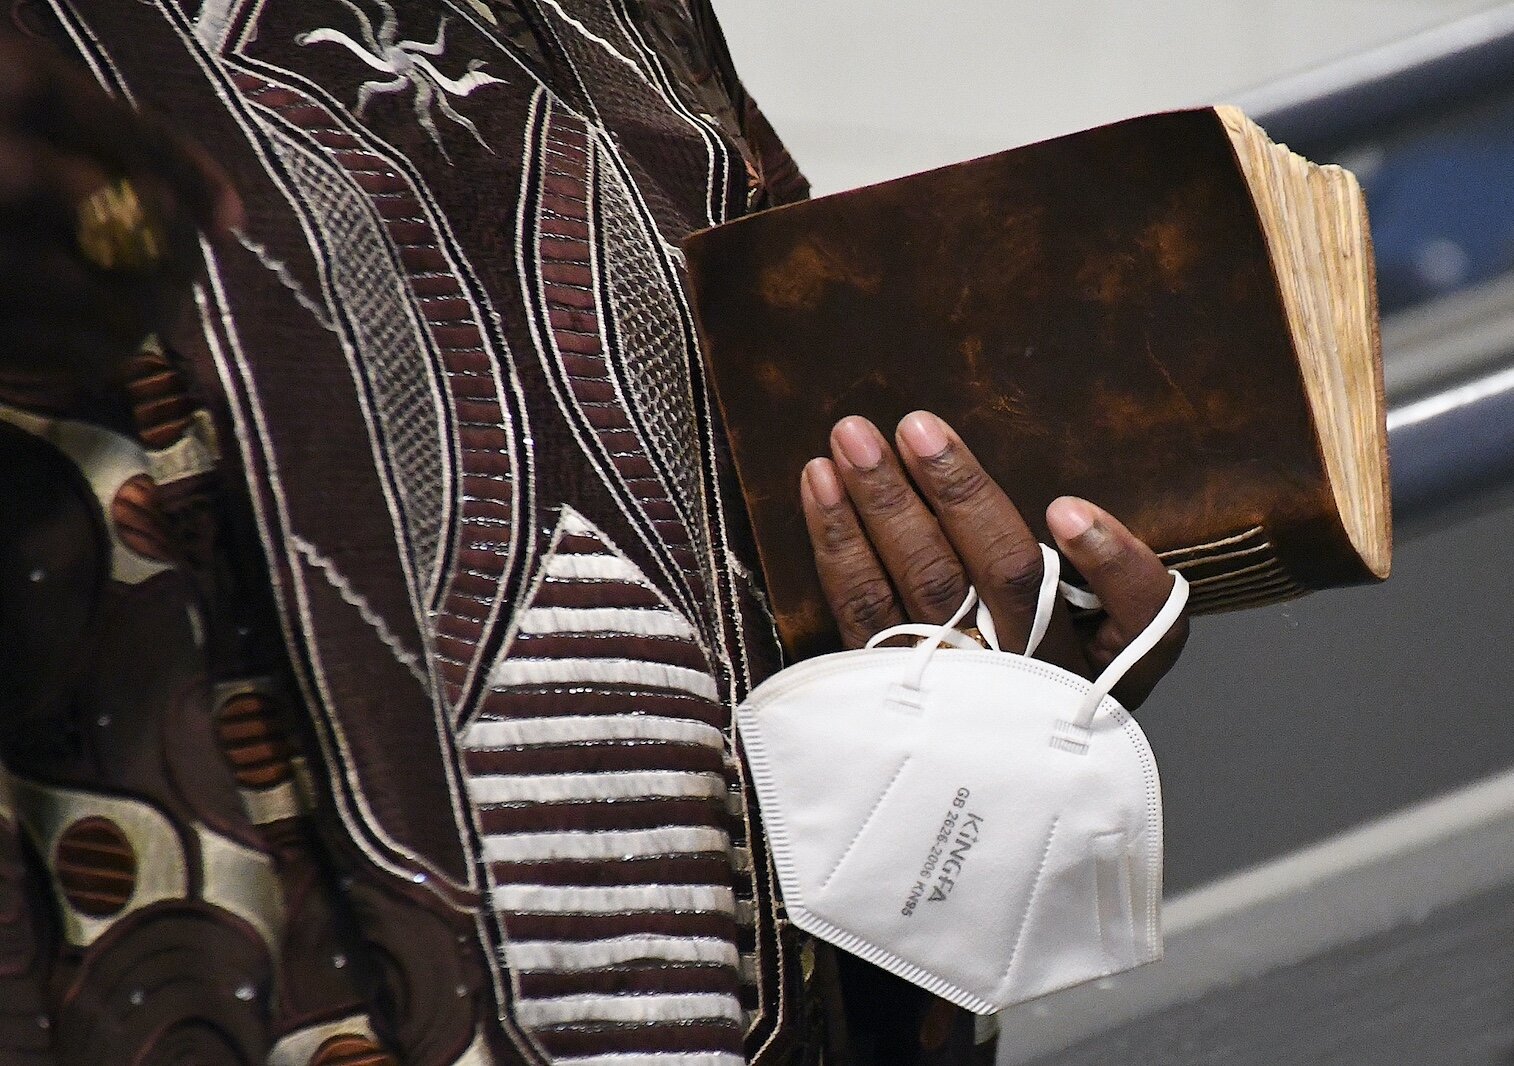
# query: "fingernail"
820, 478
859, 442
1070, 518
924, 434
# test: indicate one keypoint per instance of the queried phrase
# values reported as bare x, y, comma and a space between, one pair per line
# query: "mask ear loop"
920, 658
953, 637
1073, 734
1046, 600
947, 632
1081, 598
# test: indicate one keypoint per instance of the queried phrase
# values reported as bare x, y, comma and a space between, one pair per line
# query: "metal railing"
1449, 369
1448, 361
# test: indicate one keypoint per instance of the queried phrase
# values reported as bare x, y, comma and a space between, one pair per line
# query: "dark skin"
901, 530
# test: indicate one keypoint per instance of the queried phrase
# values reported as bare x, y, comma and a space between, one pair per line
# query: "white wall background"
864, 90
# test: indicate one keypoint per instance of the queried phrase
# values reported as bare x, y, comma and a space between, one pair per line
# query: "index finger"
1000, 552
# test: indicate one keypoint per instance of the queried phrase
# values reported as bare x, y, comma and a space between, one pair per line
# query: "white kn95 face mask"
979, 822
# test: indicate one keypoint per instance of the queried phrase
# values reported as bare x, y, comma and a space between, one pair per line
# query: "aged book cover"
1170, 316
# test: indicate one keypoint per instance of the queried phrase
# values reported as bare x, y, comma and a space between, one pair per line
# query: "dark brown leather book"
1170, 316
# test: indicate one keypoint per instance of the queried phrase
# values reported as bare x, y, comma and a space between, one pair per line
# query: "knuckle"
867, 605
1117, 571
885, 497
937, 584
1016, 574
836, 536
161, 197
955, 483
836, 539
1109, 554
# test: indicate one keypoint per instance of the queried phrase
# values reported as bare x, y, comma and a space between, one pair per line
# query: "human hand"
64, 317
889, 551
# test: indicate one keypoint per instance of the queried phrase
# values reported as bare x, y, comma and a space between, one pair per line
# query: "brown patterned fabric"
370, 644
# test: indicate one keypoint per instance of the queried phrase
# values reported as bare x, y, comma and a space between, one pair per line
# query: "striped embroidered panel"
600, 774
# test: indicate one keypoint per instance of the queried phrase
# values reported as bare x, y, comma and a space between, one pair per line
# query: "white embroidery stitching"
344, 589
410, 64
